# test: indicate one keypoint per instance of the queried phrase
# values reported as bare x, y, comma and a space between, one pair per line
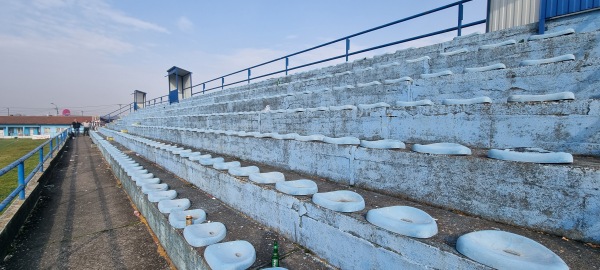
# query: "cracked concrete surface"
84, 220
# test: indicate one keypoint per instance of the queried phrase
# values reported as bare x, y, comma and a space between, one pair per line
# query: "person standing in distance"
86, 128
76, 125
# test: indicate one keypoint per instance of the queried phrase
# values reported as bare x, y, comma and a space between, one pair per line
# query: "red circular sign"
66, 112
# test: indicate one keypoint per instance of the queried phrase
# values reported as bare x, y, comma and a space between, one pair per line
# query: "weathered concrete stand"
366, 99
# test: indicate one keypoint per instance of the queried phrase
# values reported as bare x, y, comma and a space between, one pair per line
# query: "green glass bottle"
275, 257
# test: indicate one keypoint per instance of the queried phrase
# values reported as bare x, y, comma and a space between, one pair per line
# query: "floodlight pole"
56, 107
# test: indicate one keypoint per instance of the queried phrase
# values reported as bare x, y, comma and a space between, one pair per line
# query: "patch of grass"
10, 151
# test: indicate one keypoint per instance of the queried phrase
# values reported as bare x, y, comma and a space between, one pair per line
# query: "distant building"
37, 126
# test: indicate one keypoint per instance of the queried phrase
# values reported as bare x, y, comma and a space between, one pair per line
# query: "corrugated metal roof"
42, 120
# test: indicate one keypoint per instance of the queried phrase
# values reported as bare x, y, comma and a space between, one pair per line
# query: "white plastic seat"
424, 102
232, 255
179, 152
289, 136
196, 158
136, 177
158, 196
143, 181
342, 140
222, 166
127, 163
243, 171
166, 206
136, 170
132, 167
267, 178
199, 235
210, 161
541, 98
190, 154
537, 62
404, 220
505, 250
442, 149
533, 155
177, 218
147, 188
340, 201
297, 187
310, 138
468, 101
383, 144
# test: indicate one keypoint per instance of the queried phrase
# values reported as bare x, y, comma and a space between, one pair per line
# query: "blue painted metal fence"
561, 7
221, 80
22, 180
554, 8
114, 115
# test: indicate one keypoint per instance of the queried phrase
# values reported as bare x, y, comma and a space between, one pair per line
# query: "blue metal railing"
22, 180
458, 28
109, 117
158, 100
347, 53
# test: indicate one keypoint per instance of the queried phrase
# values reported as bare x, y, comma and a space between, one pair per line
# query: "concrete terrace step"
559, 199
238, 225
568, 126
347, 240
580, 44
470, 42
475, 56
575, 76
507, 54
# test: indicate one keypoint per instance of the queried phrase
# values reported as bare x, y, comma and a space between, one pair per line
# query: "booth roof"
42, 120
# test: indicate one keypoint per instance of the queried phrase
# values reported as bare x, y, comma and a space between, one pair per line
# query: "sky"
89, 56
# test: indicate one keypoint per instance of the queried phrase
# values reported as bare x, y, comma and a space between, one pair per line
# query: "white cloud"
62, 26
50, 3
184, 24
70, 52
116, 16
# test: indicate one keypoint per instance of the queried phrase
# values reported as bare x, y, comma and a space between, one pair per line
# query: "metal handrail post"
51, 149
542, 21
42, 159
21, 179
347, 48
249, 73
460, 19
287, 64
203, 88
222, 82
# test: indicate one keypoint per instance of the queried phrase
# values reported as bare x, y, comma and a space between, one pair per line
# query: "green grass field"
10, 151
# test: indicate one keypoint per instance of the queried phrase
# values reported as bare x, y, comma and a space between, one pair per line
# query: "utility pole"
8, 113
